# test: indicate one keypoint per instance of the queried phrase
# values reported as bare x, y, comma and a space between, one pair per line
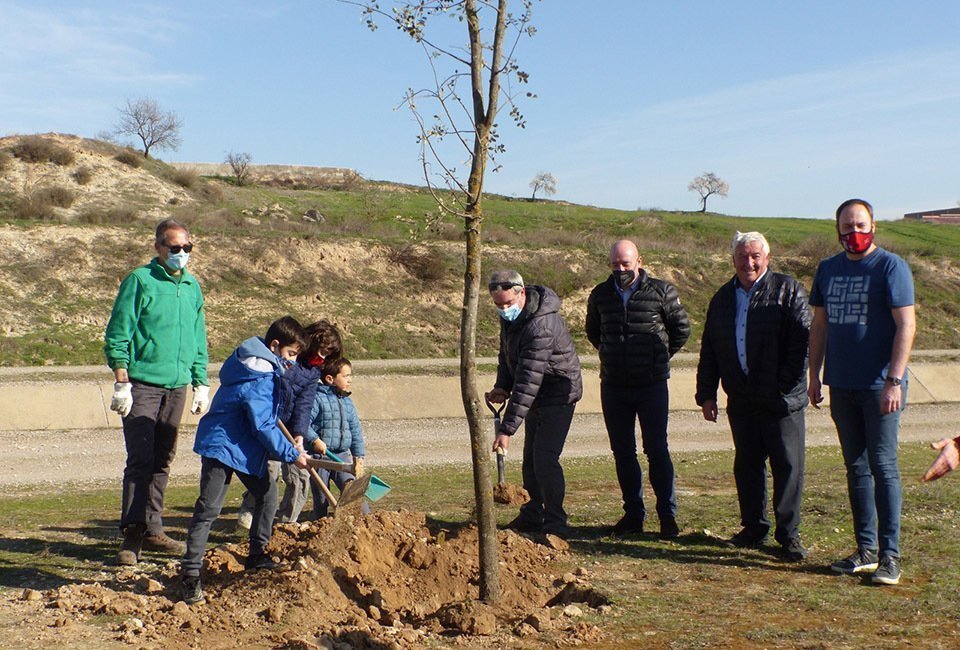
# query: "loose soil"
387, 580
511, 494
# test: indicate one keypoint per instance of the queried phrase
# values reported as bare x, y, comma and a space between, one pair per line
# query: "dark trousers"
545, 431
150, 436
622, 408
214, 481
758, 436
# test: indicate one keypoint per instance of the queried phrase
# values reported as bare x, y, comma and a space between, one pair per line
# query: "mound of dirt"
385, 580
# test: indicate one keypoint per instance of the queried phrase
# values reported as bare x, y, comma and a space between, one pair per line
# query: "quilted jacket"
538, 363
636, 341
334, 419
299, 387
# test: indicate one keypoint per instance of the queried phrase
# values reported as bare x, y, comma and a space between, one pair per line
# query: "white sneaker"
245, 520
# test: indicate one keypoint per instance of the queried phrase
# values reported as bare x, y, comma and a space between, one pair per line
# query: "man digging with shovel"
539, 371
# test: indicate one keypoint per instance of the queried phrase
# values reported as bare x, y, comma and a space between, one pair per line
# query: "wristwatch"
896, 381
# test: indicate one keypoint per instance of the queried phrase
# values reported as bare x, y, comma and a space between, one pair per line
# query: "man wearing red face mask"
863, 328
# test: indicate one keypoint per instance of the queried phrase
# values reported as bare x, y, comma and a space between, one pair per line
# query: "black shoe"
888, 571
669, 528
129, 553
747, 538
190, 591
523, 524
627, 526
794, 550
860, 561
261, 561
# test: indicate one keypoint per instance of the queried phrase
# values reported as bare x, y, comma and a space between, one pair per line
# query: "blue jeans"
622, 407
869, 444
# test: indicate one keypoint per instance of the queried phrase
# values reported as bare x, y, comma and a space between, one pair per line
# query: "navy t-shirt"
858, 296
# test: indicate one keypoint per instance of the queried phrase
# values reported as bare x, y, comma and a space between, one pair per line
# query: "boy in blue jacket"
299, 388
335, 425
239, 435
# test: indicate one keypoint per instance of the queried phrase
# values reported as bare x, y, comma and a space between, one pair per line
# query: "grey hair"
744, 238
506, 276
169, 224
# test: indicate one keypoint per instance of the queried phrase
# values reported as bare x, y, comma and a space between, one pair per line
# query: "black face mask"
624, 278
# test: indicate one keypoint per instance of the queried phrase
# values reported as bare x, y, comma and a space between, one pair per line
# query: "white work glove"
358, 467
201, 399
122, 400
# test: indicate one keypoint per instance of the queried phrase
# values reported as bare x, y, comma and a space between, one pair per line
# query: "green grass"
692, 592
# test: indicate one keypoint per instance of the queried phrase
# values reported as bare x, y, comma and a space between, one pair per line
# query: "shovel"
352, 492
501, 452
378, 487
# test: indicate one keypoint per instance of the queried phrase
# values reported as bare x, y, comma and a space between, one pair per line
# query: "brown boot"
163, 542
129, 553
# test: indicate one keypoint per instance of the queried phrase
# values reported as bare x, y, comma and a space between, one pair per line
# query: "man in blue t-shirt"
863, 326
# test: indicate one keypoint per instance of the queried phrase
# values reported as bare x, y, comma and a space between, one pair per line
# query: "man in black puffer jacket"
637, 324
539, 371
755, 344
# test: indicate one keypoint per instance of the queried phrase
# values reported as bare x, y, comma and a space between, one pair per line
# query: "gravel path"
38, 459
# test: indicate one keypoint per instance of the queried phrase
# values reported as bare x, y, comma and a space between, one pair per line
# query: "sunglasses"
176, 248
502, 286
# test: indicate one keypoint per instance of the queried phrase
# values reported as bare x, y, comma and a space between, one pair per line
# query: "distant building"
947, 215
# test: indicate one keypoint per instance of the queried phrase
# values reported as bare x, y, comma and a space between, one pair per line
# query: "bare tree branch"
144, 118
706, 185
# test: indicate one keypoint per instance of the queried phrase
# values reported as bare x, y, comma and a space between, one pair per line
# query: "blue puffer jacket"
240, 430
334, 419
299, 386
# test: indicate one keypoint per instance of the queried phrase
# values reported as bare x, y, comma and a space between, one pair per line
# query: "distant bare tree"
240, 165
543, 181
144, 118
706, 185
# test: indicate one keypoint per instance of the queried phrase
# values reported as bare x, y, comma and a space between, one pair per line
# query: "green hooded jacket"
157, 329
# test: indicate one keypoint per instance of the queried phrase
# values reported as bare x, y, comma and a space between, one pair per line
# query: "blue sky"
797, 105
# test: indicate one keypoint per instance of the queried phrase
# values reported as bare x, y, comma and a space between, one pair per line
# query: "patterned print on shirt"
846, 299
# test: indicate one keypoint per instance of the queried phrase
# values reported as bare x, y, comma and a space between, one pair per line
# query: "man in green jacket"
156, 344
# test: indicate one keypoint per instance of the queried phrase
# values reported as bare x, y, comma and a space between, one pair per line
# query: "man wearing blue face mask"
637, 324
538, 370
156, 344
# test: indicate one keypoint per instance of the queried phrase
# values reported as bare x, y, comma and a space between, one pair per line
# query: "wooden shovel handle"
313, 473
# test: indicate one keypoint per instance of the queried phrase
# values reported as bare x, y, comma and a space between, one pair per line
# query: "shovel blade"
353, 492
378, 488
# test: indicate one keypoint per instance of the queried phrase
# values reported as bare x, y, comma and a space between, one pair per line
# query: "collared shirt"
626, 293
740, 322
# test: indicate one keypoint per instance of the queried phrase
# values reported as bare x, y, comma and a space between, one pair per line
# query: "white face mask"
177, 261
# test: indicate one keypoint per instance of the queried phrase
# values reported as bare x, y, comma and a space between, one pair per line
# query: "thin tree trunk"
479, 442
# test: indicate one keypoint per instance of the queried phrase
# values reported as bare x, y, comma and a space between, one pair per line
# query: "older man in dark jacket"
539, 371
755, 344
637, 324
